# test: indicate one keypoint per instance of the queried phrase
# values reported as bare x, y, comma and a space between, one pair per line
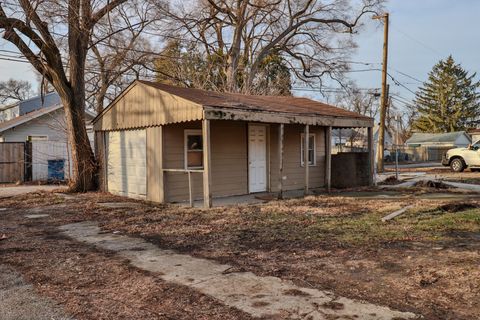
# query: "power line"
407, 75
417, 41
402, 102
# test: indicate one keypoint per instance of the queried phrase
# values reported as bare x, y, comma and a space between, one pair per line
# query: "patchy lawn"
425, 261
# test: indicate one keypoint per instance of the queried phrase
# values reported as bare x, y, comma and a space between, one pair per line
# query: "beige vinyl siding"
176, 183
144, 106
229, 160
292, 168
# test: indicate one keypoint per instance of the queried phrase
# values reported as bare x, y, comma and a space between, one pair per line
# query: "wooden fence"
420, 154
14, 164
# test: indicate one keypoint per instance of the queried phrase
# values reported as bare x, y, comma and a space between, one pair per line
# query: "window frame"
37, 138
302, 161
186, 134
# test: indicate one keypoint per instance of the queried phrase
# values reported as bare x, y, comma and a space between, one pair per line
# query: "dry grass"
425, 261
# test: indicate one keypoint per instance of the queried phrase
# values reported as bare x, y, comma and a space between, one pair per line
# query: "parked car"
461, 158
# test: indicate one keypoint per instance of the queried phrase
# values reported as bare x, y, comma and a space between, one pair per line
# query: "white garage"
127, 163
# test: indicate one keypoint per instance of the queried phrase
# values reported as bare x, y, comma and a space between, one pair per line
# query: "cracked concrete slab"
36, 216
258, 296
119, 205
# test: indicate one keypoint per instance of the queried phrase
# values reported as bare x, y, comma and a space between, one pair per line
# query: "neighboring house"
450, 139
165, 143
21, 108
357, 138
45, 128
474, 134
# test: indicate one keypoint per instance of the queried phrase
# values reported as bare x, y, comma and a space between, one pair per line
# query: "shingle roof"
36, 102
27, 117
283, 104
435, 137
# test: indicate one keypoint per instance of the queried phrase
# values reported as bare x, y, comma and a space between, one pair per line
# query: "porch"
241, 161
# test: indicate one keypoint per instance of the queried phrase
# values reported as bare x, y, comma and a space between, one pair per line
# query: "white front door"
257, 158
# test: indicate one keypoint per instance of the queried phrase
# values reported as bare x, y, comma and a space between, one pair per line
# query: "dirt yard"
425, 261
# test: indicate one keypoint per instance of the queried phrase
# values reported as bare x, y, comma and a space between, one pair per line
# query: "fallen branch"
397, 213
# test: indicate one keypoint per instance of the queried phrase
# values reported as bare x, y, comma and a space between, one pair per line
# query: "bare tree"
364, 102
116, 58
14, 90
25, 24
314, 37
186, 66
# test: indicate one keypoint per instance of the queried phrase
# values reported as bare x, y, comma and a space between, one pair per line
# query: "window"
37, 138
193, 149
311, 150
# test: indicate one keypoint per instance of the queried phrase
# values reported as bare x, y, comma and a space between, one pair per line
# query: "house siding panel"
51, 125
292, 169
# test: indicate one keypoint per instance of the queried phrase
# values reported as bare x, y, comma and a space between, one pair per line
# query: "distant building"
42, 123
21, 108
450, 139
357, 138
474, 134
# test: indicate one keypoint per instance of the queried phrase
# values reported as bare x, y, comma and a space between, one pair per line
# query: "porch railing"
190, 181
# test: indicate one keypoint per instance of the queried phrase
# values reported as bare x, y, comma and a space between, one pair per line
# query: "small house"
170, 144
38, 126
450, 139
23, 107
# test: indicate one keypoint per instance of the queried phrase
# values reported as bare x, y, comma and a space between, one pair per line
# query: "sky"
421, 33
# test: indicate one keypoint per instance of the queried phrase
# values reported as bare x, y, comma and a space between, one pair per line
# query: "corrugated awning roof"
283, 104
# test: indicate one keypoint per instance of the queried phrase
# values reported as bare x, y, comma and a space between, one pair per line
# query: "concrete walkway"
258, 296
416, 165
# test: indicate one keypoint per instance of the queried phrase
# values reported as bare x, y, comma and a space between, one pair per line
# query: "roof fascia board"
216, 113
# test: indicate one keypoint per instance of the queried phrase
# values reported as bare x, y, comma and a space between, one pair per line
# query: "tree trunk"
84, 163
84, 166
100, 97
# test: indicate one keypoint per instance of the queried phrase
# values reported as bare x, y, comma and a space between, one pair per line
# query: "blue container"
56, 169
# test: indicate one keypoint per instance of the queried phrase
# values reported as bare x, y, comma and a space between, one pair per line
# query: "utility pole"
384, 97
397, 142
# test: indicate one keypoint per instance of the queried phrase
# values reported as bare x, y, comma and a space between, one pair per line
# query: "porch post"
305, 157
207, 175
371, 157
281, 131
328, 158
161, 173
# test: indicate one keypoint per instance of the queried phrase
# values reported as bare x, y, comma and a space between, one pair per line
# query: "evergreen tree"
448, 101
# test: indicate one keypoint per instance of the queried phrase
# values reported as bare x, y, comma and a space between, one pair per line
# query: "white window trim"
302, 163
188, 132
29, 137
